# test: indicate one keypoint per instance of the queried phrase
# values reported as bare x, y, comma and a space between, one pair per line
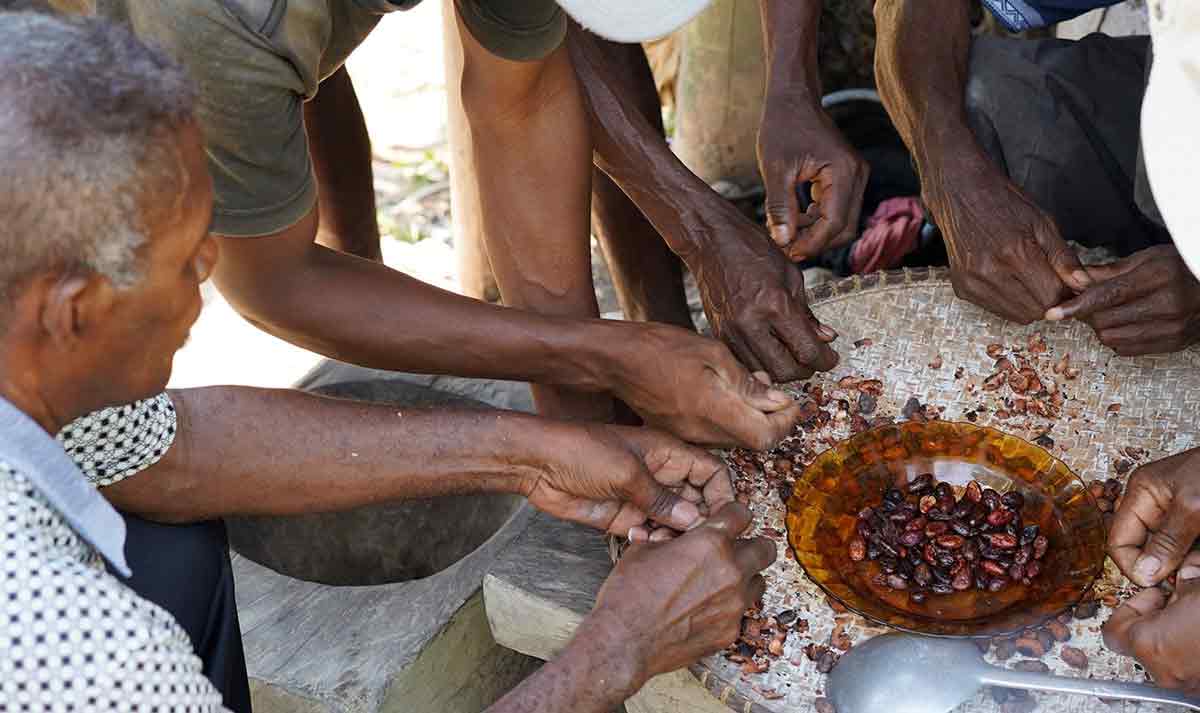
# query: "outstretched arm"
753, 296
246, 451
1006, 254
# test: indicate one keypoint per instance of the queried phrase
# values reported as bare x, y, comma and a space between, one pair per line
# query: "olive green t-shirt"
255, 63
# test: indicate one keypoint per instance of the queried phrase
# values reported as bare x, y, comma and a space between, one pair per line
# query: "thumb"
660, 503
1168, 545
1062, 257
758, 392
783, 207
1136, 610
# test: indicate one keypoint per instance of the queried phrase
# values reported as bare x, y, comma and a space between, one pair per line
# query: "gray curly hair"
89, 130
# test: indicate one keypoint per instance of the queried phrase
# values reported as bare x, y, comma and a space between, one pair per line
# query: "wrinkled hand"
673, 603
693, 387
1147, 303
614, 478
1162, 633
1006, 255
1158, 520
798, 143
756, 304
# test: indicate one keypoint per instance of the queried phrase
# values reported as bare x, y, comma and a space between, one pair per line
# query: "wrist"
606, 647
526, 447
608, 351
947, 172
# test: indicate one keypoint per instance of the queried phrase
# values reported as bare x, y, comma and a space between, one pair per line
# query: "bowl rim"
1034, 622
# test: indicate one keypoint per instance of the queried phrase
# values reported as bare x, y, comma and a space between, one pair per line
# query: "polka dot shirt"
73, 637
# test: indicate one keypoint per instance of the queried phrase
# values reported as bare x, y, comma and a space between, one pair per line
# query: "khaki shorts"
256, 62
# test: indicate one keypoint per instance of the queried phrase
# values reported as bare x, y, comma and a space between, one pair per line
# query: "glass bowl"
822, 515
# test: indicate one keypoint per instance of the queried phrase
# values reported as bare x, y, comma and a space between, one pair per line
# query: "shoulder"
114, 443
72, 634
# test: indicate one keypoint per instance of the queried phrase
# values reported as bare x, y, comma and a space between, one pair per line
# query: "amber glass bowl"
826, 499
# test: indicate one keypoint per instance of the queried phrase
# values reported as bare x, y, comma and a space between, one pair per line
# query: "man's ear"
71, 305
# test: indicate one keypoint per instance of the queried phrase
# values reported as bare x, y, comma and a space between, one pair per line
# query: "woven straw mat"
911, 317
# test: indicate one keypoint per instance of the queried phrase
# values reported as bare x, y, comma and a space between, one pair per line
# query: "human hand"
755, 302
1158, 520
1147, 303
693, 387
797, 144
672, 603
1161, 632
1006, 254
614, 478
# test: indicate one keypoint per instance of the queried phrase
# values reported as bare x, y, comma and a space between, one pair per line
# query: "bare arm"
798, 143
341, 157
754, 298
368, 314
592, 675
1006, 254
245, 451
921, 57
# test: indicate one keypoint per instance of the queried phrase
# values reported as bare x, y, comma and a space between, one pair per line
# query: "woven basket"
911, 317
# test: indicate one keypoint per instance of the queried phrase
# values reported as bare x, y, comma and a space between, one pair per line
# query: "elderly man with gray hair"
105, 206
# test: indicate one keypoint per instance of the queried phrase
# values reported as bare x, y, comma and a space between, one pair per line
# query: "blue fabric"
29, 450
1021, 15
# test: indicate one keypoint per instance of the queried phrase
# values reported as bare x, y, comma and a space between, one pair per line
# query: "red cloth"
892, 232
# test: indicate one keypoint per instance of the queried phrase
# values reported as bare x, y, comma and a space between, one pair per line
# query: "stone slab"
545, 582
351, 649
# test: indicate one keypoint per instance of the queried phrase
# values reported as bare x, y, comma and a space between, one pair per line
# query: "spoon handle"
1008, 678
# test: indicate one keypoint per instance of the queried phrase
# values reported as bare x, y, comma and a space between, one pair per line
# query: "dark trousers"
185, 569
1062, 118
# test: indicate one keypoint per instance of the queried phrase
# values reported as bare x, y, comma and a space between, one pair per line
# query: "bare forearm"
594, 674
368, 314
921, 61
633, 152
341, 157
245, 451
790, 31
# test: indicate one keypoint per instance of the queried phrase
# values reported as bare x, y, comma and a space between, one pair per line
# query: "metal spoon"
900, 673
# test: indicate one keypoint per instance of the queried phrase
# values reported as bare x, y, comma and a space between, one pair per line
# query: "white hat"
633, 20
1170, 134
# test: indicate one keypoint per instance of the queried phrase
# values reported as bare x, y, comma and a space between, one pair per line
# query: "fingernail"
1054, 314
1082, 278
1147, 566
779, 397
685, 513
1190, 571
827, 333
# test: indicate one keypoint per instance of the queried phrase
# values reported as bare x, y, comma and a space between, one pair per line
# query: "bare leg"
647, 275
474, 268
341, 156
531, 144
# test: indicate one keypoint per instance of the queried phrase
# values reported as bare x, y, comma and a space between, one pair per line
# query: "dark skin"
341, 158
243, 451
1147, 303
325, 301
1006, 254
1154, 531
73, 343
365, 313
753, 296
799, 143
649, 621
